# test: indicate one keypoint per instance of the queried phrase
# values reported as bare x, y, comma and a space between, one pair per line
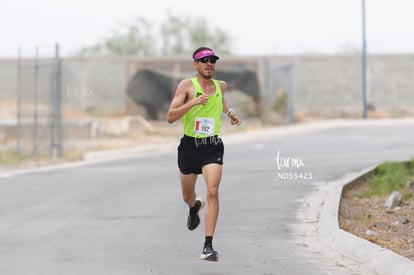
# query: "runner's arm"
179, 106
234, 119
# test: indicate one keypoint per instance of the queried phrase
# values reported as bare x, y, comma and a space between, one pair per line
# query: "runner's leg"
212, 176
188, 188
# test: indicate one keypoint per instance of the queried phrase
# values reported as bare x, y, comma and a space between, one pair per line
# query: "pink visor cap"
204, 53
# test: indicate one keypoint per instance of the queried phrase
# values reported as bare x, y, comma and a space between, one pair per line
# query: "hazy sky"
257, 27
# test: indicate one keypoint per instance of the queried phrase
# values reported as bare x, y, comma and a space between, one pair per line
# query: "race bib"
204, 126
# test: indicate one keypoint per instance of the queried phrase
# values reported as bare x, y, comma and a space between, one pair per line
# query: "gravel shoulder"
389, 228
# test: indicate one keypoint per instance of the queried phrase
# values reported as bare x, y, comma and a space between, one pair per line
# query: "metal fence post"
291, 94
35, 99
19, 99
364, 64
56, 144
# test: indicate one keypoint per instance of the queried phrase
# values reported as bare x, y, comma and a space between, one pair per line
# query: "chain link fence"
39, 123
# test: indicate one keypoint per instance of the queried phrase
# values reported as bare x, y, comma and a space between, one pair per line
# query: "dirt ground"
394, 228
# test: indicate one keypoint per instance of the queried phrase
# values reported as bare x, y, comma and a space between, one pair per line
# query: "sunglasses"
212, 59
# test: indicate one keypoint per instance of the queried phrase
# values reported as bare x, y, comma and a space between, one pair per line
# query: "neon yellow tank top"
204, 120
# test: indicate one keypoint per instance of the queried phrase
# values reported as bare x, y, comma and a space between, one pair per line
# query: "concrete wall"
321, 83
334, 83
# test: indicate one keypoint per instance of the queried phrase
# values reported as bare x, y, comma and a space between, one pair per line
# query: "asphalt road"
127, 217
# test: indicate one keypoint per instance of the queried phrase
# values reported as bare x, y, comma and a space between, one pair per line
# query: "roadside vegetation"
391, 176
9, 158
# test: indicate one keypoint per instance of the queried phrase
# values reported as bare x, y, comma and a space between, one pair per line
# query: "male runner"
199, 102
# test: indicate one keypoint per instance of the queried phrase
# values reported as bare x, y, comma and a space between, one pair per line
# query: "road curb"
382, 260
149, 149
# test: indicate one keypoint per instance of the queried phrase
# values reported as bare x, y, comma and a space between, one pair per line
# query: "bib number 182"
204, 126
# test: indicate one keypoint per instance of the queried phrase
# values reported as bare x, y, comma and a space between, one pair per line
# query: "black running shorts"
194, 153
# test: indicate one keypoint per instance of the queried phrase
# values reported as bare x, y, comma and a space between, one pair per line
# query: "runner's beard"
206, 76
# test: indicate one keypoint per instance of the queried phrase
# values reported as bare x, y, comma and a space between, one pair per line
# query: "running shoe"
193, 219
209, 254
